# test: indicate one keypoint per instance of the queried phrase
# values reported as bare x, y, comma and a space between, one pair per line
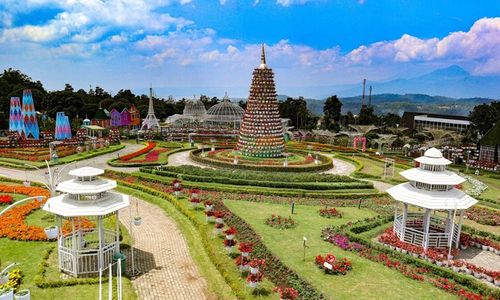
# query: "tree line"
80, 104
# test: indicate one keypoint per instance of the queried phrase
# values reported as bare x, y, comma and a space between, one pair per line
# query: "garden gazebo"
84, 250
432, 188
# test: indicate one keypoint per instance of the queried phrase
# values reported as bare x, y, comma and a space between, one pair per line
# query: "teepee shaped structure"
30, 121
63, 128
150, 122
261, 132
15, 118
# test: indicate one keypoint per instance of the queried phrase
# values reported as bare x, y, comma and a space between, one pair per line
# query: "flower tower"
15, 118
431, 188
30, 122
261, 131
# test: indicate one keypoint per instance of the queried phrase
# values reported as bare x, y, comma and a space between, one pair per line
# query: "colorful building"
101, 119
135, 117
125, 115
116, 118
261, 132
30, 122
15, 118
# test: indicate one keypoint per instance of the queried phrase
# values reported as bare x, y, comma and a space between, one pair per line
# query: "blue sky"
194, 46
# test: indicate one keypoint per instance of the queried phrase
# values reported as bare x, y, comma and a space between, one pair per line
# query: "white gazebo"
431, 188
83, 251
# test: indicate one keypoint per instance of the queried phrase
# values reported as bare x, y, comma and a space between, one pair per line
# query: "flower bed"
6, 199
280, 222
287, 293
150, 146
331, 265
151, 157
413, 268
330, 213
483, 216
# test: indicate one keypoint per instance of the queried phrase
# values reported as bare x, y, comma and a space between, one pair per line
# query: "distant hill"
395, 103
452, 81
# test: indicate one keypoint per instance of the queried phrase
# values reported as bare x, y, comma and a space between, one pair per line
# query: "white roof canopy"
86, 172
430, 177
77, 187
65, 206
433, 157
449, 200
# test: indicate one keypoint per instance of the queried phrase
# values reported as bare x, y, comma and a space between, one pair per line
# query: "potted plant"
496, 278
254, 279
137, 220
27, 183
218, 216
6, 294
195, 193
209, 205
245, 248
23, 295
230, 233
52, 232
255, 265
457, 265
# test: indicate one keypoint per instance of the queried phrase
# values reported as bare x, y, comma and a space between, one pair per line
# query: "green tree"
332, 113
484, 116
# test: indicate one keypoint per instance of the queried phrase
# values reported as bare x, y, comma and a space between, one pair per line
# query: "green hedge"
338, 194
326, 164
260, 176
261, 183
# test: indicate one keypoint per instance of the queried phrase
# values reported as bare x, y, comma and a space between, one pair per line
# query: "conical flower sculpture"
261, 132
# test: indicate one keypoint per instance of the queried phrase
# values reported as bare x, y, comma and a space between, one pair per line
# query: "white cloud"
222, 2
480, 45
290, 2
80, 19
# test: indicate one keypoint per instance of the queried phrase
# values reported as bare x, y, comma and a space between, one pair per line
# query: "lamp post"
133, 272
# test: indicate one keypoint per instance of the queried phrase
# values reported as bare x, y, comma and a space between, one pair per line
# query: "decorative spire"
226, 97
263, 59
263, 56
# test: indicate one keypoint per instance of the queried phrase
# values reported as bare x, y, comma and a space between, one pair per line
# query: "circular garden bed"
298, 161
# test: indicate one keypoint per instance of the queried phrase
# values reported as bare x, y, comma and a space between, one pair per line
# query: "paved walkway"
182, 159
482, 258
98, 161
341, 167
162, 255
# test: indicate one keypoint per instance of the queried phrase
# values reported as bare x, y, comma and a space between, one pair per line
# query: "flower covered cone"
261, 132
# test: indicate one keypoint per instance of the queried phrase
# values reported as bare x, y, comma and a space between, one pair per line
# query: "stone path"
98, 161
182, 159
341, 167
162, 255
482, 258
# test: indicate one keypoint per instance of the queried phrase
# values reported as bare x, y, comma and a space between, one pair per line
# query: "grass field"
376, 168
367, 280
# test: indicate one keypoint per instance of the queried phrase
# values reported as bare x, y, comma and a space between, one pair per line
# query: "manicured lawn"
367, 280
29, 255
376, 168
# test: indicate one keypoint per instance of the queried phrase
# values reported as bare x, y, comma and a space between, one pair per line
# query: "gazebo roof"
65, 206
451, 199
433, 157
430, 177
86, 172
78, 187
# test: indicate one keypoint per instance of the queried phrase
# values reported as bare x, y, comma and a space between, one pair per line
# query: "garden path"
182, 159
161, 253
98, 162
341, 168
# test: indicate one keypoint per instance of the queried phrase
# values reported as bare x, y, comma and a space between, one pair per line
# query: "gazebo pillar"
117, 232
427, 222
99, 224
405, 217
73, 246
460, 220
